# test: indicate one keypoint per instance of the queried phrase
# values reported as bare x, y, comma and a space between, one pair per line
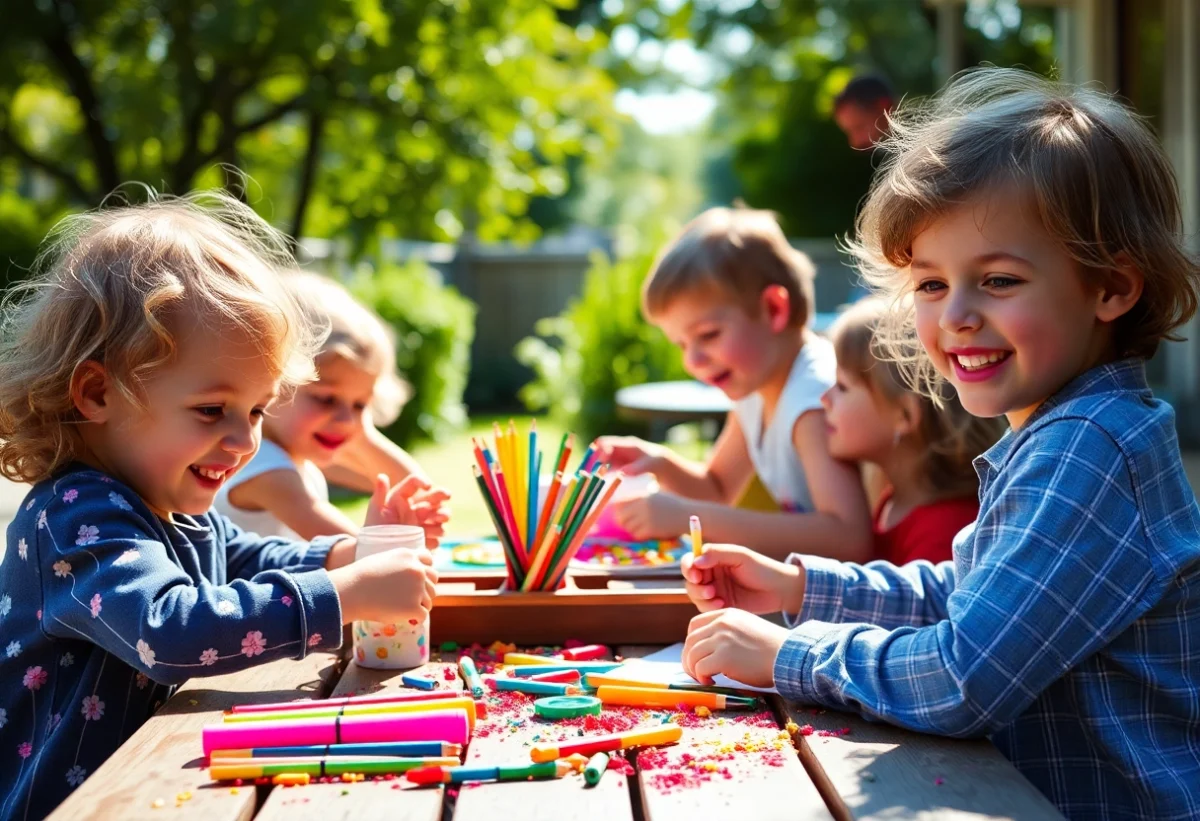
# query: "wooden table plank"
163, 758
725, 764
367, 800
878, 771
504, 738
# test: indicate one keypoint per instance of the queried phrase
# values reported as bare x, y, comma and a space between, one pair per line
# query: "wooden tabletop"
727, 766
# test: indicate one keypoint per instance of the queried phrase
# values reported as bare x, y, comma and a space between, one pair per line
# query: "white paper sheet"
666, 666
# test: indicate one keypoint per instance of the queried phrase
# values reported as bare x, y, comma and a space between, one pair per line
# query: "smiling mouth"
331, 442
720, 379
979, 362
209, 477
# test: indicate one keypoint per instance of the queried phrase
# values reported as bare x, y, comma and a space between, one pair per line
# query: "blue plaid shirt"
1067, 628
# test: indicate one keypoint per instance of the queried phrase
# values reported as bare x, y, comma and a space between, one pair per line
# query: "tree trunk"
308, 171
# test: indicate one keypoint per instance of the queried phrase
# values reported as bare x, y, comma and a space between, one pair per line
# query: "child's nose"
240, 440
959, 312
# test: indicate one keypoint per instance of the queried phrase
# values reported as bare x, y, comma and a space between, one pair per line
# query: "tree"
353, 118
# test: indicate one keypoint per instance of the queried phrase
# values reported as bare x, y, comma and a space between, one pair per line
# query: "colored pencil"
539, 532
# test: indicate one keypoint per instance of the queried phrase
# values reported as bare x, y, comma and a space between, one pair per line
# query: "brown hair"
1097, 179
950, 436
108, 286
740, 250
357, 335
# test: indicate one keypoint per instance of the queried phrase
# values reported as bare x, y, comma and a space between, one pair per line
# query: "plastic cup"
395, 646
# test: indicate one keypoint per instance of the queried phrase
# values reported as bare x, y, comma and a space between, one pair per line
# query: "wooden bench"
874, 771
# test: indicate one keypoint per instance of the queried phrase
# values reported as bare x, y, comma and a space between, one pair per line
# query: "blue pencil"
583, 667
419, 682
587, 457
535, 469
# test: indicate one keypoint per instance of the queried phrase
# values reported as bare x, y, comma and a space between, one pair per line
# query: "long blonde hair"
108, 286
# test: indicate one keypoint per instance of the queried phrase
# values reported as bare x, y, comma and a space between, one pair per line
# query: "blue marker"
420, 682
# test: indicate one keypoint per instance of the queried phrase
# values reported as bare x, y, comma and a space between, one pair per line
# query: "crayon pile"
540, 533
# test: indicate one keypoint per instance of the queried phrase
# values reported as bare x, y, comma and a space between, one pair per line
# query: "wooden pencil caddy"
594, 607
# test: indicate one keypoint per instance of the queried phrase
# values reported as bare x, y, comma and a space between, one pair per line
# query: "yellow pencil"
697, 536
520, 494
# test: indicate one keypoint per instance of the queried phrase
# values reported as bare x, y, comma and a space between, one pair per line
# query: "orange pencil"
548, 506
654, 697
581, 534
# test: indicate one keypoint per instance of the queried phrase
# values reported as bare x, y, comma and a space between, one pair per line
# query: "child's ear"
777, 307
1121, 289
910, 414
89, 391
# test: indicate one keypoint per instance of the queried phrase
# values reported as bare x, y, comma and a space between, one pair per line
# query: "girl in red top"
923, 450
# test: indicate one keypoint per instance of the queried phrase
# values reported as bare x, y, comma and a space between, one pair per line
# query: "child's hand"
392, 586
653, 516
727, 575
630, 455
410, 502
735, 643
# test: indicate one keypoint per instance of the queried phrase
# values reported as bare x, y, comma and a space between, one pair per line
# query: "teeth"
977, 361
211, 474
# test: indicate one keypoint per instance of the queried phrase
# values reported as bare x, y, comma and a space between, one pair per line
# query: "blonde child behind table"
327, 427
736, 299
135, 370
923, 448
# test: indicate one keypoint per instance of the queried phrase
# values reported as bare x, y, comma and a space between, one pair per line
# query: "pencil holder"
540, 521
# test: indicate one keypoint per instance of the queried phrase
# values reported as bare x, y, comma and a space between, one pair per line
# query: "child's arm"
720, 479
1062, 569
109, 578
282, 493
366, 456
840, 526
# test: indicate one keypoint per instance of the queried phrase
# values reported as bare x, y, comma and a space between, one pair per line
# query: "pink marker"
437, 725
378, 698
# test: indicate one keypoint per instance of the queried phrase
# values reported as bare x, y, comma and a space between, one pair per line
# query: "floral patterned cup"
390, 646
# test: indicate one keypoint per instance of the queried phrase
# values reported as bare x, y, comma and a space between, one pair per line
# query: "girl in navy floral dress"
134, 375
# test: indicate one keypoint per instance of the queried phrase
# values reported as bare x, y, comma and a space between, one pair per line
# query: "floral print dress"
104, 607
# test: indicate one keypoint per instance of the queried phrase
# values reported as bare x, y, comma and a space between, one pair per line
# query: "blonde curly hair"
357, 335
108, 286
1097, 178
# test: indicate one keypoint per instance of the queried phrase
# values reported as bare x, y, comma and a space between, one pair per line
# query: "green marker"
470, 676
595, 769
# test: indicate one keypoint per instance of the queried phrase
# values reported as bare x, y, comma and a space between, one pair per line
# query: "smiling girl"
328, 426
135, 371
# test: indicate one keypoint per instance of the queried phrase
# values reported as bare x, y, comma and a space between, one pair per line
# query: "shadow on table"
880, 771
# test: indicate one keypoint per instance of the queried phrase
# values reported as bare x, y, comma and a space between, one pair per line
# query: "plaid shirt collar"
1122, 375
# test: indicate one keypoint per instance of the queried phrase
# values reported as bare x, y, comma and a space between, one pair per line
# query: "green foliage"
599, 344
434, 326
354, 118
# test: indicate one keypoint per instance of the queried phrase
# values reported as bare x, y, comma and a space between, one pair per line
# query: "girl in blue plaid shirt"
1029, 235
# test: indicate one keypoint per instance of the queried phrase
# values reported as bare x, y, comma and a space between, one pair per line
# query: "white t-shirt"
269, 457
772, 451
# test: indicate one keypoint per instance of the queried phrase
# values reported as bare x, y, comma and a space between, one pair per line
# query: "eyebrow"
224, 388
982, 259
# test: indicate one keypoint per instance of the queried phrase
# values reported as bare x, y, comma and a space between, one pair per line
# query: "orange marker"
589, 745
697, 536
653, 697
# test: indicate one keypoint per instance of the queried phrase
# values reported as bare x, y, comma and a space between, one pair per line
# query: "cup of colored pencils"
540, 525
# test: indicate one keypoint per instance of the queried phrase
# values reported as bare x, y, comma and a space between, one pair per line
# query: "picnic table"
780, 761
